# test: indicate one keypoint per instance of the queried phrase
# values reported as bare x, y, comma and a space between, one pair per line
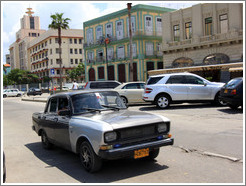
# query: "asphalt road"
199, 131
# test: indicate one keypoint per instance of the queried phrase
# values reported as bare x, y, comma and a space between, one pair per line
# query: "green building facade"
107, 44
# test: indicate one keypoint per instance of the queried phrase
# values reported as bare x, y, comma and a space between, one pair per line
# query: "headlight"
162, 127
110, 136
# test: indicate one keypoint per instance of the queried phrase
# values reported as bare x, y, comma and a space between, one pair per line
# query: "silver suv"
179, 88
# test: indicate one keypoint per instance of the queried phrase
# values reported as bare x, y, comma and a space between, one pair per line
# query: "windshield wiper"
111, 107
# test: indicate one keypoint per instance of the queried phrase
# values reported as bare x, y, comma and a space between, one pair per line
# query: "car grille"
137, 132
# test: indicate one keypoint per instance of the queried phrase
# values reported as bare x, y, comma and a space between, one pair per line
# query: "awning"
236, 69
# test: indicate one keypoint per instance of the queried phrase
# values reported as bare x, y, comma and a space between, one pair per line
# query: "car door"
133, 92
177, 88
197, 88
49, 118
62, 124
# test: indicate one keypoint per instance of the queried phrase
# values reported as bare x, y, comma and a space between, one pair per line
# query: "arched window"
216, 59
183, 62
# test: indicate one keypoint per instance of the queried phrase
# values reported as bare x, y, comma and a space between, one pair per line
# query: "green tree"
77, 72
18, 76
59, 23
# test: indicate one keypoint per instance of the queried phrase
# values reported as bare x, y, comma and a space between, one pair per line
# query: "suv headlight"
162, 127
110, 136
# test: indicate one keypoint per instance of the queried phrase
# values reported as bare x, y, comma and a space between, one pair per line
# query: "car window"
193, 80
62, 104
53, 105
141, 85
177, 79
131, 86
154, 80
232, 83
93, 85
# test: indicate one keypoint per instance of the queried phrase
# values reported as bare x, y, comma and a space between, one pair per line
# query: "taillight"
148, 90
234, 92
86, 84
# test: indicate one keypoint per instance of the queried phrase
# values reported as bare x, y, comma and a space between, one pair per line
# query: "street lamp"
106, 41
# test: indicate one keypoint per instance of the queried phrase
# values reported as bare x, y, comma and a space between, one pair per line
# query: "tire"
4, 96
153, 154
90, 161
45, 141
163, 101
234, 107
124, 99
18, 95
218, 102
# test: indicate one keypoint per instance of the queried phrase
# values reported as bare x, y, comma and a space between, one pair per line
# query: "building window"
110, 53
57, 71
51, 62
100, 72
119, 29
176, 33
34, 34
223, 23
158, 26
56, 40
57, 50
71, 41
80, 60
71, 61
45, 43
80, 41
133, 26
120, 52
100, 55
149, 49
75, 41
89, 36
99, 32
208, 26
71, 51
32, 23
58, 61
90, 56
134, 50
76, 61
80, 51
109, 30
188, 30
51, 51
76, 51
148, 25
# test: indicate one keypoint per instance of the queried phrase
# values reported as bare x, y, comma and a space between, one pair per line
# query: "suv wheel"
162, 101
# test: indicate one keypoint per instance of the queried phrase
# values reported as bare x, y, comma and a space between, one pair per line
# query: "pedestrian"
75, 85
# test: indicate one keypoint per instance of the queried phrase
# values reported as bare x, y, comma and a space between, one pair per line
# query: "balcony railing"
137, 33
232, 35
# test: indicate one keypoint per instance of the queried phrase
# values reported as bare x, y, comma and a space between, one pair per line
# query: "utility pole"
129, 6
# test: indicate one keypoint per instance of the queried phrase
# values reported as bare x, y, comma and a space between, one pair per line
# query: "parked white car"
131, 92
179, 88
12, 93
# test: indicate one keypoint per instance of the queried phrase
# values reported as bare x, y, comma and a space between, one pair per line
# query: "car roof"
71, 93
168, 74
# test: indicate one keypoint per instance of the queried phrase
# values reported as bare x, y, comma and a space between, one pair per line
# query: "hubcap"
86, 158
163, 102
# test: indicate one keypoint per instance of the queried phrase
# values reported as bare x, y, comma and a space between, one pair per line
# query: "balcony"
138, 34
217, 39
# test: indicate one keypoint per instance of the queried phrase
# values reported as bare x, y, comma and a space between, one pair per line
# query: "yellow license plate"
141, 153
225, 91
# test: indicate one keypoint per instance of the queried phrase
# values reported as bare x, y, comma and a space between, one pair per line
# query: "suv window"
131, 86
193, 80
154, 80
176, 80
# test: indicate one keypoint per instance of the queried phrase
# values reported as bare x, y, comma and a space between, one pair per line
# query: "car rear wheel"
163, 101
124, 99
90, 161
45, 141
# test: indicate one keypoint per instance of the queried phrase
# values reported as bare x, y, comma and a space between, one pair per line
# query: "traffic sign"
52, 71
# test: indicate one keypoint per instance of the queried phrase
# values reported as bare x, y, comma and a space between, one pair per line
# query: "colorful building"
114, 55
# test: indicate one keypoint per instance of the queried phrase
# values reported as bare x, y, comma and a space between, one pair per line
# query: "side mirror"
64, 112
205, 84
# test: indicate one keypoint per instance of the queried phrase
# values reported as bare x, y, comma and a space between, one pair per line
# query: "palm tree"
59, 23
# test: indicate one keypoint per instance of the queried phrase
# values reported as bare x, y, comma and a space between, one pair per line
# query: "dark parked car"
98, 126
101, 84
34, 92
4, 169
232, 93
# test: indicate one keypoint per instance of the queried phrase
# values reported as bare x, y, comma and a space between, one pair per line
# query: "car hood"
125, 118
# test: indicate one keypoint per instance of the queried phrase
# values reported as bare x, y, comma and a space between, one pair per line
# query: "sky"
77, 11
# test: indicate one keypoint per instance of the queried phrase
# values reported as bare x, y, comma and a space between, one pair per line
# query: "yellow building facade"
107, 44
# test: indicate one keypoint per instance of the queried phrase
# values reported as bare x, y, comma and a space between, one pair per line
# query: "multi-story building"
30, 29
7, 58
205, 38
147, 32
43, 53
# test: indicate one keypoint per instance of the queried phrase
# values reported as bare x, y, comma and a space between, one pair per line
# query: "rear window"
233, 83
154, 80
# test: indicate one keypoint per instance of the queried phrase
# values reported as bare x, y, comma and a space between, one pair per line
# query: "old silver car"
97, 126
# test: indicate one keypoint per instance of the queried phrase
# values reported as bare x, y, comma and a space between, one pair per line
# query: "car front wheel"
163, 101
90, 161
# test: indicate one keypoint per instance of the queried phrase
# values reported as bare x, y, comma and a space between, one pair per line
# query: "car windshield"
232, 83
96, 101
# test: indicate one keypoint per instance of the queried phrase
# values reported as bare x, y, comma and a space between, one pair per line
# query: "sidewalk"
42, 98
